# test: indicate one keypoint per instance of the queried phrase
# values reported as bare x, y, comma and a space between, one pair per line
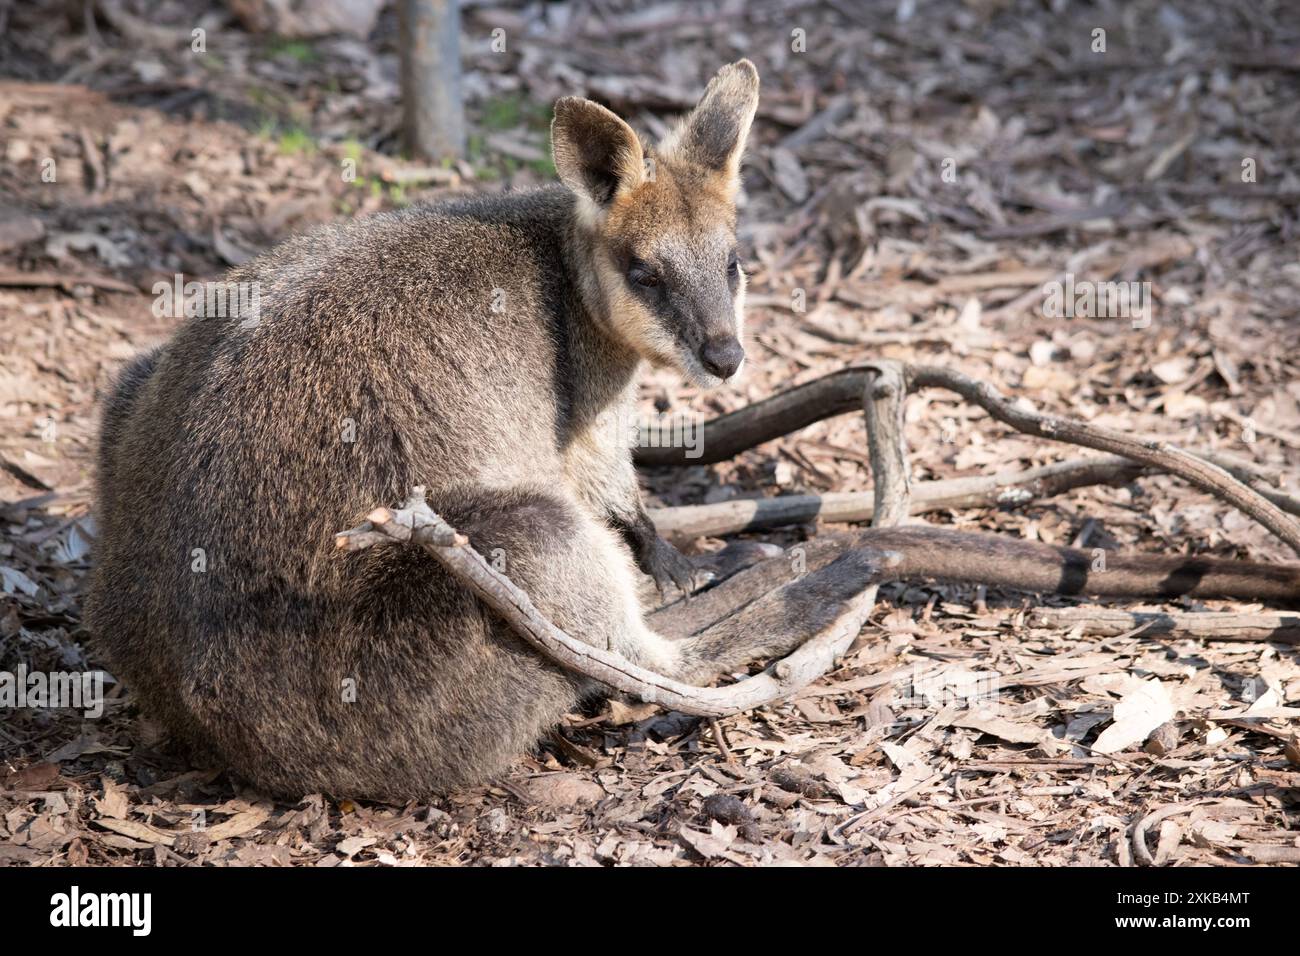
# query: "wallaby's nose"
722, 357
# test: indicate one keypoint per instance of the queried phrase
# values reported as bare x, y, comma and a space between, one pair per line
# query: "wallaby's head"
661, 224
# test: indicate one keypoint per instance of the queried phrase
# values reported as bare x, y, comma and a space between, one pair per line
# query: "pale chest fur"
598, 458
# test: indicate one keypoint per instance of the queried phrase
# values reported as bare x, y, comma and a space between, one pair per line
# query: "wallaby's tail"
928, 552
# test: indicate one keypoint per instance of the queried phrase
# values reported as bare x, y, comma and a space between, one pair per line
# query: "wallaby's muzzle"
722, 356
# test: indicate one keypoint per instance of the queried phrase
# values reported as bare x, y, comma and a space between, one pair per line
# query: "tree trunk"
433, 121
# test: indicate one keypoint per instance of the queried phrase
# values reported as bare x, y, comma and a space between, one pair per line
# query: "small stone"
17, 229
1163, 739
563, 791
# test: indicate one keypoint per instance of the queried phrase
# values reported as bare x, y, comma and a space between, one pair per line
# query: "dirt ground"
918, 172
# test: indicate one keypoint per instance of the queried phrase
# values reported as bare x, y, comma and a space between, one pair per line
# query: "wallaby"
486, 349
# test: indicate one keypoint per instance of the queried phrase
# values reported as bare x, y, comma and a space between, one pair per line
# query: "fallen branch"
835, 394
1006, 488
50, 280
831, 395
1154, 452
883, 402
1282, 853
728, 435
1204, 625
416, 523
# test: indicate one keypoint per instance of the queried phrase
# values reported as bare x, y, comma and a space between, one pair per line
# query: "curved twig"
882, 399
727, 435
416, 523
1279, 628
1138, 836
1006, 488
1154, 452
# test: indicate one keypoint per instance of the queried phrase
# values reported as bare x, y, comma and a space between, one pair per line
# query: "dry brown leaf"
1137, 714
114, 803
621, 713
241, 823
995, 726
136, 831
713, 844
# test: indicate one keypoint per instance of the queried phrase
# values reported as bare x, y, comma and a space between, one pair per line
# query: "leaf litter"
1065, 749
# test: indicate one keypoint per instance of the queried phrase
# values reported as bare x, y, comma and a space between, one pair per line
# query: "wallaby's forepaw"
668, 566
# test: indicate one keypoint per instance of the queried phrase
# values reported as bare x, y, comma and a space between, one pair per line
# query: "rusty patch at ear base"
678, 199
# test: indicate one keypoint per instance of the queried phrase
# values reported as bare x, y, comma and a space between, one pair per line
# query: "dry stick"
416, 523
1275, 854
51, 280
783, 413
1139, 834
1154, 452
1011, 487
883, 402
1206, 625
839, 392
885, 391
771, 418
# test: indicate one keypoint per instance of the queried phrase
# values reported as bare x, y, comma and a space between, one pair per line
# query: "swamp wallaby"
486, 349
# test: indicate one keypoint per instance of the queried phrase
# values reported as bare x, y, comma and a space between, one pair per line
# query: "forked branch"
1213, 472
1013, 487
416, 523
1156, 453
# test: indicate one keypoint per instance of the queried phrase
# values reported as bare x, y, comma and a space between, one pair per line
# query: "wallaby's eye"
733, 266
643, 275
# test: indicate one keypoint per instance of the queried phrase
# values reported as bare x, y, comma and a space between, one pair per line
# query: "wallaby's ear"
596, 154
713, 135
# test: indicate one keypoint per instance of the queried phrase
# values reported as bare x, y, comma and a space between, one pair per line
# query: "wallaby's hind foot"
710, 571
746, 581
779, 621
